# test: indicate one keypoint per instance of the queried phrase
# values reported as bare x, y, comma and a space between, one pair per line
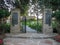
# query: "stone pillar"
15, 21
47, 27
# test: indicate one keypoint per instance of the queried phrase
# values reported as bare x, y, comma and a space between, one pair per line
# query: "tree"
22, 5
56, 15
3, 16
4, 13
54, 4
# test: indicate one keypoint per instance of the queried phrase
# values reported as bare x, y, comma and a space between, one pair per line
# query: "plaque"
48, 17
14, 18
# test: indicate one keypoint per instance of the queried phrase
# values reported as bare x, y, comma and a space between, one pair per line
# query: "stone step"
30, 35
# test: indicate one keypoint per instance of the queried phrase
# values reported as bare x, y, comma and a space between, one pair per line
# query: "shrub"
54, 25
5, 27
33, 24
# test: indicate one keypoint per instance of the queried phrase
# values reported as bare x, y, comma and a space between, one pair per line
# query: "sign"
14, 18
48, 14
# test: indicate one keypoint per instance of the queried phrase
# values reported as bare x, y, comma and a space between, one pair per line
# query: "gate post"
15, 21
47, 27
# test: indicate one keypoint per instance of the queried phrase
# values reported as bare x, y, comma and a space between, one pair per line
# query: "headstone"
47, 27
15, 21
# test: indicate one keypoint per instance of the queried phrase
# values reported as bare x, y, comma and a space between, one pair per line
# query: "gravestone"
47, 27
15, 21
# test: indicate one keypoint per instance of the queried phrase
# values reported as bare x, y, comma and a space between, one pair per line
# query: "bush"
5, 28
33, 25
36, 27
57, 17
54, 25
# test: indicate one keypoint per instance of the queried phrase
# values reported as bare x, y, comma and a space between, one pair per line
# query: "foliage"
54, 25
34, 1
23, 5
5, 27
57, 19
31, 20
33, 24
1, 1
54, 4
57, 15
4, 13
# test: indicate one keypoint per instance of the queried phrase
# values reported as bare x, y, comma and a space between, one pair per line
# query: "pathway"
29, 39
19, 41
30, 30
